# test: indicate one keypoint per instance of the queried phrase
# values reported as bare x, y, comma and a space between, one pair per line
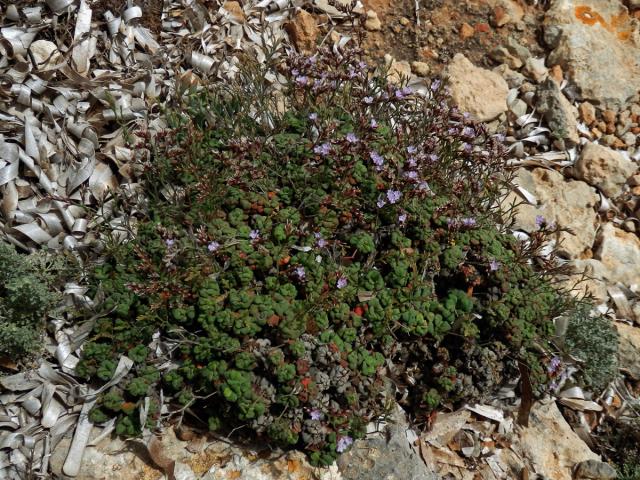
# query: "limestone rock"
514, 79
398, 70
505, 12
480, 92
45, 54
235, 10
551, 445
596, 43
568, 203
629, 349
372, 23
420, 68
303, 31
385, 458
619, 252
587, 113
536, 69
595, 470
558, 112
502, 55
604, 168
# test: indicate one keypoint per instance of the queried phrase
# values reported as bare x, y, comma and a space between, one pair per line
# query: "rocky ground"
559, 79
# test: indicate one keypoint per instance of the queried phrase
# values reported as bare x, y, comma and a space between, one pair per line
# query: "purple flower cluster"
342, 282
213, 246
351, 137
323, 149
320, 242
301, 273
344, 443
494, 265
377, 159
254, 234
393, 196
315, 415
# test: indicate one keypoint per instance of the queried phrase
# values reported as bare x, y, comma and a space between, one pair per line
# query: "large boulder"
480, 92
595, 42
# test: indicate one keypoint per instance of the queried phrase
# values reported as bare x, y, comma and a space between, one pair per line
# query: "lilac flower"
343, 443
494, 265
352, 73
323, 149
452, 131
374, 124
368, 100
407, 90
435, 85
313, 116
213, 246
254, 234
411, 175
399, 94
424, 186
300, 272
466, 115
468, 132
320, 242
393, 196
381, 202
312, 60
315, 415
554, 364
362, 65
540, 220
302, 80
467, 147
500, 137
411, 149
411, 162
351, 137
377, 159
433, 158
342, 282
295, 72
402, 217
469, 222
169, 242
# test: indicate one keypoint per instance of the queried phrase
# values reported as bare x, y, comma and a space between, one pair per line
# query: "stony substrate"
80, 76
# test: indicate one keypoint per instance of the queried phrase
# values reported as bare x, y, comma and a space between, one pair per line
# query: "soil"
447, 27
151, 11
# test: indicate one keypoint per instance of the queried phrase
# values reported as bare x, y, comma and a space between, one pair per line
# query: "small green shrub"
312, 262
27, 293
593, 339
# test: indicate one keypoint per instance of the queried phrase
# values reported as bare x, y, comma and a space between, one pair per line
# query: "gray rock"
629, 349
594, 470
596, 48
502, 55
385, 458
558, 112
517, 50
514, 79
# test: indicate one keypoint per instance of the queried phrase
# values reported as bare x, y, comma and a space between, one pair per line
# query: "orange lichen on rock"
590, 17
587, 16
